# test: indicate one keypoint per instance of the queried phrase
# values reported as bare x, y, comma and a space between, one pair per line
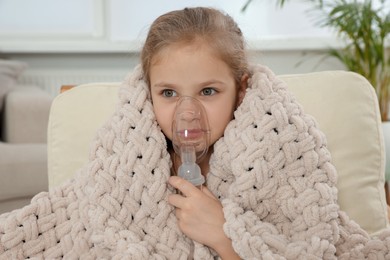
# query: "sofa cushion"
23, 169
26, 115
10, 70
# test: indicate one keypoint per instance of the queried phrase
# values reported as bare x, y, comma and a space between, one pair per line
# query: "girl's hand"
200, 216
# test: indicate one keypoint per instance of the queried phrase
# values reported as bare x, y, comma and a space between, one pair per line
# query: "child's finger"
182, 185
176, 200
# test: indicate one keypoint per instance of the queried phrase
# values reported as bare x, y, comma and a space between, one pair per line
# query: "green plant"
364, 27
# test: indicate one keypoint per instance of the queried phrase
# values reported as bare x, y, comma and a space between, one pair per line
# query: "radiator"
52, 80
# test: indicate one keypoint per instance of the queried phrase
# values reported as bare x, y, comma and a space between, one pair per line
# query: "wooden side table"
66, 87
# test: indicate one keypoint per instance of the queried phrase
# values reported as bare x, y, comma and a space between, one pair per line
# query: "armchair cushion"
343, 103
71, 130
346, 108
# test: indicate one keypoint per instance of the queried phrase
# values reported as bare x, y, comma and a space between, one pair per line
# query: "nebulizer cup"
190, 138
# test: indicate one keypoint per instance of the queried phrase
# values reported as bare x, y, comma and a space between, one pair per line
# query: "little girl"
196, 53
270, 186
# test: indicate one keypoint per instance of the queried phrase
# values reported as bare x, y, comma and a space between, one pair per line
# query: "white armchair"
343, 103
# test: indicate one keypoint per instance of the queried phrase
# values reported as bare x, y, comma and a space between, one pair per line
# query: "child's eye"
208, 91
169, 93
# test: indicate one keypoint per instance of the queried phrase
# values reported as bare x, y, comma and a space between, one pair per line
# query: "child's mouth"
191, 134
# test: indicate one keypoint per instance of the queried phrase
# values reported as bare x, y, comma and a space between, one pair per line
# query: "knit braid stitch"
273, 174
271, 171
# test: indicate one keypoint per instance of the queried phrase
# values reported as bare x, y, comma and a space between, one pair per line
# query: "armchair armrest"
26, 115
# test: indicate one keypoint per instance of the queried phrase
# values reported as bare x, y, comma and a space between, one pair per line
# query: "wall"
72, 42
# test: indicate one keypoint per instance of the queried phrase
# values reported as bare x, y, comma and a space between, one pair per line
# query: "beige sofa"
343, 103
23, 141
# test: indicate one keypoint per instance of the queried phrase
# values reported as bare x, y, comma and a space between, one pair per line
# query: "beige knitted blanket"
271, 171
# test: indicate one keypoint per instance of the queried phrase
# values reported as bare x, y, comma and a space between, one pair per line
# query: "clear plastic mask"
190, 137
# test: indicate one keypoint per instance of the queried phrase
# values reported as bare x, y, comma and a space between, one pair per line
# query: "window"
121, 25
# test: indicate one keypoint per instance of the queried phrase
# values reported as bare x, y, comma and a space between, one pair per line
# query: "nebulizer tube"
191, 132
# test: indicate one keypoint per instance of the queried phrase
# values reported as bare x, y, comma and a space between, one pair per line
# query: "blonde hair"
191, 25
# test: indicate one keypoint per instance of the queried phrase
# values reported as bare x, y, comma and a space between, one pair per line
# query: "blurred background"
77, 41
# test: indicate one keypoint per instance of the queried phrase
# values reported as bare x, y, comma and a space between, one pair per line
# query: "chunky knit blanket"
271, 172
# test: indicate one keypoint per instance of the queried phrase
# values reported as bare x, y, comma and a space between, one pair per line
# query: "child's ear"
242, 88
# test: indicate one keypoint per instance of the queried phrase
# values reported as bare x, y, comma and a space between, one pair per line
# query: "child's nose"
189, 109
190, 115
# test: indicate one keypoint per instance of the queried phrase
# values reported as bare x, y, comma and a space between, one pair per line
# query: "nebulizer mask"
190, 138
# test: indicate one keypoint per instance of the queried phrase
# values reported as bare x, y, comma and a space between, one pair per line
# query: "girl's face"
196, 72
